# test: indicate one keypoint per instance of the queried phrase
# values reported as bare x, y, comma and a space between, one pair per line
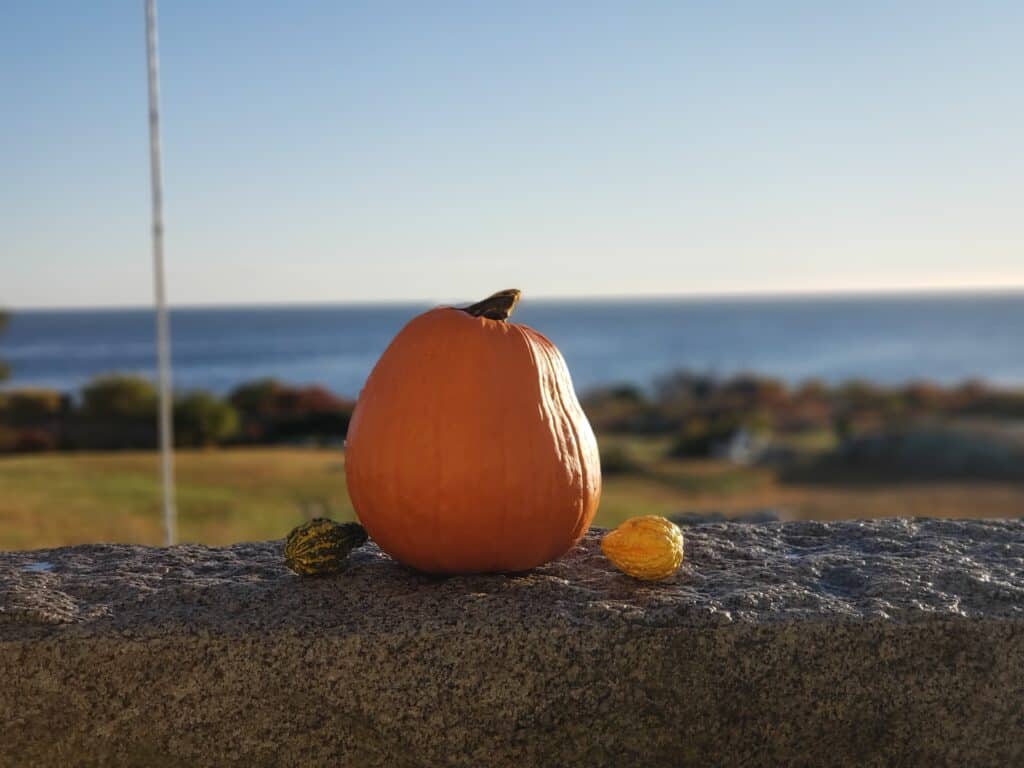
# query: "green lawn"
234, 495
223, 496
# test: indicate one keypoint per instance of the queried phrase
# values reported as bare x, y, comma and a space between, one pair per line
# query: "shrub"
5, 372
29, 406
8, 439
925, 396
620, 409
684, 395
35, 418
33, 441
203, 419
119, 397
700, 435
272, 411
117, 412
616, 459
256, 398
747, 391
682, 391
811, 389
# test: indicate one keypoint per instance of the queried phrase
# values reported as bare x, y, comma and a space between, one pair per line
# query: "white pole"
163, 343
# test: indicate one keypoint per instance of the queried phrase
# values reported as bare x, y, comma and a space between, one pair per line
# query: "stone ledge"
894, 641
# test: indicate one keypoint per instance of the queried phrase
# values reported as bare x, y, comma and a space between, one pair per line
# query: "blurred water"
944, 338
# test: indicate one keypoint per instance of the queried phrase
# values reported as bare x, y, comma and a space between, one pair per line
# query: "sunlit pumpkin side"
648, 547
468, 451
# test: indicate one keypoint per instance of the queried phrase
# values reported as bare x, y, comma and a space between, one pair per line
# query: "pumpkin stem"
497, 306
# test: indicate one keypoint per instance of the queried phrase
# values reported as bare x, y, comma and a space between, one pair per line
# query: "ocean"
941, 337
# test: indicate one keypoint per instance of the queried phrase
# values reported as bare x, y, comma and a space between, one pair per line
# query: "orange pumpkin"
468, 451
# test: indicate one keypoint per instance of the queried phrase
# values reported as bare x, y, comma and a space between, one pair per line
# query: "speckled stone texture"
880, 643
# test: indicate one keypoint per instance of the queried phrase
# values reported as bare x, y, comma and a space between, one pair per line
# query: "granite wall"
875, 643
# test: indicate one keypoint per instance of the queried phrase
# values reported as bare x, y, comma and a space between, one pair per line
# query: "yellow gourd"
649, 547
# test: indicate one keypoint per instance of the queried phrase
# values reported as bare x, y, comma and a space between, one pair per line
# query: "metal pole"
163, 343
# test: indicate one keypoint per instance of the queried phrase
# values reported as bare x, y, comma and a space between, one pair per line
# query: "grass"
223, 496
234, 495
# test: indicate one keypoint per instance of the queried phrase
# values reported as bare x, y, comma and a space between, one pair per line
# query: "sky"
326, 151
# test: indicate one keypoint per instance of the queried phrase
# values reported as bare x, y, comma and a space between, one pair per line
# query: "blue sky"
324, 151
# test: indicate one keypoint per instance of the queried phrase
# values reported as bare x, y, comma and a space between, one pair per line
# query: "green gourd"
321, 546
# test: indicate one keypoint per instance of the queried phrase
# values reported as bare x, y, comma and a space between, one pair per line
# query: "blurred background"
779, 245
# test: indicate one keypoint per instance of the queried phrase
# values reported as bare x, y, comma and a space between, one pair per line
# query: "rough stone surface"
874, 643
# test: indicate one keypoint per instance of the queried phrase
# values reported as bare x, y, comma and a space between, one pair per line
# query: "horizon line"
752, 295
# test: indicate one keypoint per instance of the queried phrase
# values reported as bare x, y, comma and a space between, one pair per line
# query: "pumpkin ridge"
565, 389
581, 465
571, 454
586, 441
550, 492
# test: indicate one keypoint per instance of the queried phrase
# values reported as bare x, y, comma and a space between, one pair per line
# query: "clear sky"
335, 151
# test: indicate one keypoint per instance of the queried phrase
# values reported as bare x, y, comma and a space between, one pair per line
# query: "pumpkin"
649, 547
321, 546
468, 451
